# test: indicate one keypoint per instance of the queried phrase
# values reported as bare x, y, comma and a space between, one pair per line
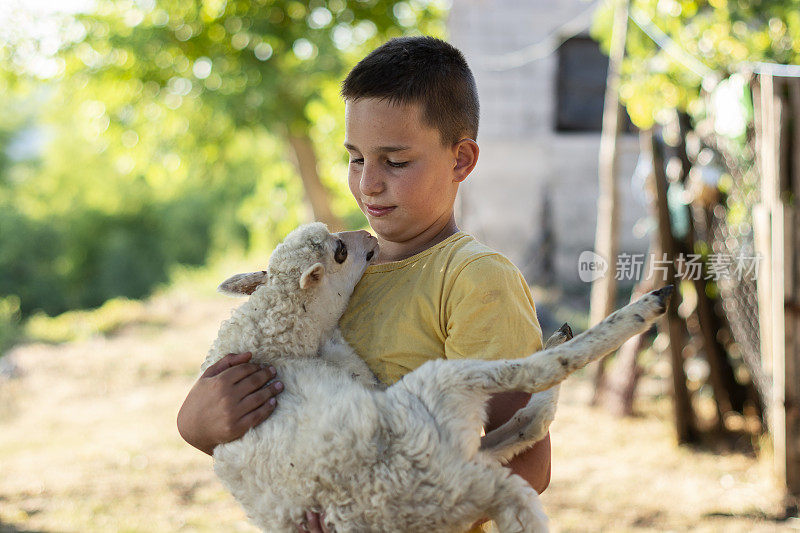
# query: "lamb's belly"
329, 449
310, 449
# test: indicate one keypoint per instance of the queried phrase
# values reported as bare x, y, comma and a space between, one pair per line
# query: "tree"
678, 48
262, 64
173, 131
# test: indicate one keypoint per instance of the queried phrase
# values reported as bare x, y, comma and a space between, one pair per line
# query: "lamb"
407, 458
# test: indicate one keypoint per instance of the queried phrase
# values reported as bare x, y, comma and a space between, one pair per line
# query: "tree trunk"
619, 389
305, 160
606, 242
685, 420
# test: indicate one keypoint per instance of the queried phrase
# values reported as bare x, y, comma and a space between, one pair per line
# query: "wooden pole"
685, 420
606, 242
762, 239
790, 181
618, 390
779, 155
791, 343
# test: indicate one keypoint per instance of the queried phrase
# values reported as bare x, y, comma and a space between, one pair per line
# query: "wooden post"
763, 242
791, 373
778, 102
606, 244
685, 420
790, 159
618, 390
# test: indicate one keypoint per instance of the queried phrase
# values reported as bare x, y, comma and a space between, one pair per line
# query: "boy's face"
402, 177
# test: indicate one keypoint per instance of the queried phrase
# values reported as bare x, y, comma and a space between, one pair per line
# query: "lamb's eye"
341, 251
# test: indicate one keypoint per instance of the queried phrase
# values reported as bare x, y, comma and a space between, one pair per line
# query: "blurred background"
151, 148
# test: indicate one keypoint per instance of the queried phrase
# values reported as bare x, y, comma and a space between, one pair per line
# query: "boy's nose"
371, 183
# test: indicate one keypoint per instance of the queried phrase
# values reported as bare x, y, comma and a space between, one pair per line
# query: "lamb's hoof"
663, 295
562, 335
646, 309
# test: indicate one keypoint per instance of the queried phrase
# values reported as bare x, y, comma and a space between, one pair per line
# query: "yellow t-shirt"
458, 299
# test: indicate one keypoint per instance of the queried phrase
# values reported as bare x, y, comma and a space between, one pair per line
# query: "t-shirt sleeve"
488, 312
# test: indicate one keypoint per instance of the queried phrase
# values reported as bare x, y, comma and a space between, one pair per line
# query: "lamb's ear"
312, 275
243, 283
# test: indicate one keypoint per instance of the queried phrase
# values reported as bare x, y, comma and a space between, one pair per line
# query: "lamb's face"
330, 281
347, 255
338, 263
323, 266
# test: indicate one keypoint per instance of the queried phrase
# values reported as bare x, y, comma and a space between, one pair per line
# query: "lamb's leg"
528, 426
339, 353
531, 423
456, 391
516, 507
544, 369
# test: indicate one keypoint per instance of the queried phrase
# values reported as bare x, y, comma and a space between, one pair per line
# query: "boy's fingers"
315, 523
226, 362
258, 415
261, 396
253, 382
236, 373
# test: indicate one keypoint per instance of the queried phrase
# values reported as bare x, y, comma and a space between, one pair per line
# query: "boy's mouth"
378, 210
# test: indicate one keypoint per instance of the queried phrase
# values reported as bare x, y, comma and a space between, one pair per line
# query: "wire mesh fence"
731, 233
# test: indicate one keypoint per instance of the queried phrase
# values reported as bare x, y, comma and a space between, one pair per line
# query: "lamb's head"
316, 267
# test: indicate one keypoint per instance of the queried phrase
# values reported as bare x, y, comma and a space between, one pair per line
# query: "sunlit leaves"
164, 122
722, 35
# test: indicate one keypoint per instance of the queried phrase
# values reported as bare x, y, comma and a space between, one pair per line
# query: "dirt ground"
88, 443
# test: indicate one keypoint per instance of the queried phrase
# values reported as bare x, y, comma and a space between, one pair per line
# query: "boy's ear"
466, 155
243, 283
312, 276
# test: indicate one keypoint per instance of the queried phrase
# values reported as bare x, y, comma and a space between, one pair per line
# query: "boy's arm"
533, 465
229, 398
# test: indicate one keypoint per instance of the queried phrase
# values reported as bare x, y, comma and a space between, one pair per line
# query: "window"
581, 85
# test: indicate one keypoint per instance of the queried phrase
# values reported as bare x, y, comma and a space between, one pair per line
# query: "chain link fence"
731, 233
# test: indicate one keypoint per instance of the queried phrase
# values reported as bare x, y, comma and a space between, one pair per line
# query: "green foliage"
711, 39
165, 123
9, 322
260, 62
81, 324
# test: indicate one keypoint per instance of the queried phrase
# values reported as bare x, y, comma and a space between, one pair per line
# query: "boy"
411, 118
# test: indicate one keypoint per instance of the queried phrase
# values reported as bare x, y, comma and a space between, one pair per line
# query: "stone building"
541, 80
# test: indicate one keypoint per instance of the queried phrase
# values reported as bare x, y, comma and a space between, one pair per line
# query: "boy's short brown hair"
425, 71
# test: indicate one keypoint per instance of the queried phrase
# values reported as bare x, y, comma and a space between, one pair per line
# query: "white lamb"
408, 458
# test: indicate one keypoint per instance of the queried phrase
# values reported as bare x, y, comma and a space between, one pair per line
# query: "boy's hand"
315, 523
229, 398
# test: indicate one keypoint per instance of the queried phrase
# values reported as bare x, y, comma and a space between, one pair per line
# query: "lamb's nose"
370, 254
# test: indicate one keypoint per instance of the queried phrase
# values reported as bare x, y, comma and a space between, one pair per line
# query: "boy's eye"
356, 161
397, 164
341, 251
